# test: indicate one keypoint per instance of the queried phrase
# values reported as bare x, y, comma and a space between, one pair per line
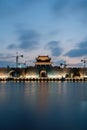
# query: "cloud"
12, 7
76, 9
81, 51
56, 51
54, 47
83, 45
7, 63
81, 5
11, 46
28, 40
76, 53
59, 6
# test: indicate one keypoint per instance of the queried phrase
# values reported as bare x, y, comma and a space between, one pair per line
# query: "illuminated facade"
43, 69
43, 61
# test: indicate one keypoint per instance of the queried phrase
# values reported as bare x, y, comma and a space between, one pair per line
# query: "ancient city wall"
33, 72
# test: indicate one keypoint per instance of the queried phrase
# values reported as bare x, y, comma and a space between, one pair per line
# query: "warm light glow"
31, 76
3, 76
85, 76
55, 76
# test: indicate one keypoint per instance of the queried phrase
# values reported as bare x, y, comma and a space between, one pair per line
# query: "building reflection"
36, 96
43, 97
3, 92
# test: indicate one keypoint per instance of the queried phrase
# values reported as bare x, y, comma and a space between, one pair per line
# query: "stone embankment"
43, 79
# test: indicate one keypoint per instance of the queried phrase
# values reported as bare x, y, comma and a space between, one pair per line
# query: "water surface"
43, 105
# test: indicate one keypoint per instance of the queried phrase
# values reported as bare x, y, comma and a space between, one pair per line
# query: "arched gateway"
43, 73
43, 63
14, 73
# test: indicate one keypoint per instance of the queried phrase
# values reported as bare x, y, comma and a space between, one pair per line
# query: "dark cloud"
83, 45
76, 53
56, 50
11, 46
28, 40
81, 5
53, 44
59, 6
81, 51
28, 45
12, 7
7, 63
74, 8
28, 35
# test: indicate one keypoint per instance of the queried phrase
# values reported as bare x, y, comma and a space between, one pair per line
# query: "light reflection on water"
43, 105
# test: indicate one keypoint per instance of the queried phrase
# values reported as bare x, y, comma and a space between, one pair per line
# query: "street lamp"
84, 65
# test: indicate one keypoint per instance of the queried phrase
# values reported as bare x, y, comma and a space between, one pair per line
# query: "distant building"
43, 61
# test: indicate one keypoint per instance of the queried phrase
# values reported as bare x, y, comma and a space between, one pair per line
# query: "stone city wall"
52, 72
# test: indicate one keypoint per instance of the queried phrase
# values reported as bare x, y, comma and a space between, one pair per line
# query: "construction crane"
17, 58
84, 61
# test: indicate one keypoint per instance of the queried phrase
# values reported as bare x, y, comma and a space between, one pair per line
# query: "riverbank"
43, 79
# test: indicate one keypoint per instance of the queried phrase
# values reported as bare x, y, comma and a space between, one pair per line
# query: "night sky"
57, 28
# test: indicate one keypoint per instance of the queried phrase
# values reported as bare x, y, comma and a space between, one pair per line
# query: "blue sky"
57, 28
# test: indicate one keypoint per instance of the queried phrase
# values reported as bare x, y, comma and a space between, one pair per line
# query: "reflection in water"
43, 105
42, 98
